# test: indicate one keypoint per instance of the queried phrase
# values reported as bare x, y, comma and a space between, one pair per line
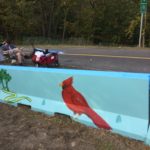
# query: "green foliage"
4, 79
97, 21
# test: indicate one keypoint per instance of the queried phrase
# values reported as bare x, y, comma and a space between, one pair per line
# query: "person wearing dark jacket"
11, 50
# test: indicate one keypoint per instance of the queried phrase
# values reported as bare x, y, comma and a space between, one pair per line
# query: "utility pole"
141, 30
143, 9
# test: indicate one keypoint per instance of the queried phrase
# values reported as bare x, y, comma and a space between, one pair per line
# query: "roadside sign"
143, 6
143, 1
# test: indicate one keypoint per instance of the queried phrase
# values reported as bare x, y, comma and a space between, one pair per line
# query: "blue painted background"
122, 99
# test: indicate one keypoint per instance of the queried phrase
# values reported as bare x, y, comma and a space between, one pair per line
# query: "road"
106, 59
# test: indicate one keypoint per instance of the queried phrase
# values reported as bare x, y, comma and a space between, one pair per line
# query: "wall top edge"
78, 71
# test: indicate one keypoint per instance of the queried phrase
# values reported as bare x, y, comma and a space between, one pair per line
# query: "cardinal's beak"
60, 84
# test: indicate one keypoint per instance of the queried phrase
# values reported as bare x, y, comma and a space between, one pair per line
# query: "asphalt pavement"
106, 59
120, 59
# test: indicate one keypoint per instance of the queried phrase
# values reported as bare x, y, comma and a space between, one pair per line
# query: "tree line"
91, 21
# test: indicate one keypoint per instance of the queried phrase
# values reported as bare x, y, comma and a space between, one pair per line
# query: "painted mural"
76, 102
124, 96
11, 97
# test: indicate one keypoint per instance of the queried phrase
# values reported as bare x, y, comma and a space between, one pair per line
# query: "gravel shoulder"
23, 129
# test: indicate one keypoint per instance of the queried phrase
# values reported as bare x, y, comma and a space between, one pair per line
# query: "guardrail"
113, 100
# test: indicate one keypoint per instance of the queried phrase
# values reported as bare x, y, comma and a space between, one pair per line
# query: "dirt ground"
23, 129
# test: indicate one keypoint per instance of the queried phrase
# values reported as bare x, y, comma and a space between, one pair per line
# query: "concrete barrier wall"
112, 100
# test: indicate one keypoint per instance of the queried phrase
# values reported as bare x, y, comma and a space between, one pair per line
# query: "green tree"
2, 73
102, 22
7, 78
4, 79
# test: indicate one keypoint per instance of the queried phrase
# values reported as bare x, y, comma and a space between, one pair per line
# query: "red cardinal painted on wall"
77, 103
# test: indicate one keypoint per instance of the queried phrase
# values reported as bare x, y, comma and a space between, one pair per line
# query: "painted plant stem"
12, 98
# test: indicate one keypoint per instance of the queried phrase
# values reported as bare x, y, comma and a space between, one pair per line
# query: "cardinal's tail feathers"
99, 121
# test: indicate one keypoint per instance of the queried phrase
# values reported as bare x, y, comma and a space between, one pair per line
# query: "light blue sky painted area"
117, 92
